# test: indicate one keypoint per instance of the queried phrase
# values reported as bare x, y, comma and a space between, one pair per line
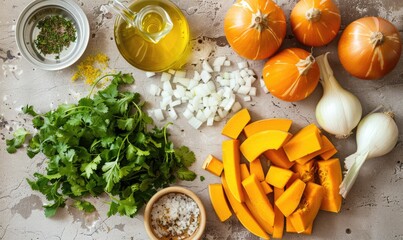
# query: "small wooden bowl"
180, 190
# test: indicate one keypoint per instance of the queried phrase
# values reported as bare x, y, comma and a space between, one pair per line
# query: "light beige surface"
373, 210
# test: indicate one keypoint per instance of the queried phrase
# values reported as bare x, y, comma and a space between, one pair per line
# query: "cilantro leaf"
111, 175
29, 109
88, 168
185, 156
185, 174
126, 124
84, 206
19, 138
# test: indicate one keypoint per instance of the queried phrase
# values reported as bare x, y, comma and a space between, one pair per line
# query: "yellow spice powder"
91, 68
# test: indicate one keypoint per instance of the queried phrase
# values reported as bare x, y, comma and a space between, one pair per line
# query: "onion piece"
150, 74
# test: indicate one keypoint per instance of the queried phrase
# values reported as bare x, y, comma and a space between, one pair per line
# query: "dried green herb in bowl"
56, 33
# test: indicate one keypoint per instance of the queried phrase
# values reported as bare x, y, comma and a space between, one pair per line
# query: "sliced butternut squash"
256, 168
219, 202
236, 124
306, 171
260, 142
294, 177
326, 146
278, 228
255, 192
307, 210
289, 228
243, 213
231, 160
327, 155
281, 124
306, 141
278, 177
330, 178
213, 165
289, 200
266, 187
278, 158
261, 219
244, 171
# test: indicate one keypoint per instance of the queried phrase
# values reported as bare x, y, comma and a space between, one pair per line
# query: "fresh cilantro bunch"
103, 144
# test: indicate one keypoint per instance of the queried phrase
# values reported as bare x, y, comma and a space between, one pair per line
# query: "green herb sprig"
56, 33
103, 144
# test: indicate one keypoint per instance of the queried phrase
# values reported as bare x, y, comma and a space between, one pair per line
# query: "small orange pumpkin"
255, 29
370, 48
291, 75
315, 22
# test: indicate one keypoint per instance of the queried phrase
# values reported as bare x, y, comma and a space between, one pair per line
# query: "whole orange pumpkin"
255, 29
291, 75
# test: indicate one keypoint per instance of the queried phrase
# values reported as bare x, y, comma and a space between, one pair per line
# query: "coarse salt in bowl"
175, 213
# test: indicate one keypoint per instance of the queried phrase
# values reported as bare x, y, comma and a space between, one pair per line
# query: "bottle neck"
152, 22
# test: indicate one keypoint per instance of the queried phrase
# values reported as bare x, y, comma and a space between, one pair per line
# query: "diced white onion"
195, 123
172, 113
262, 84
226, 75
219, 61
207, 101
265, 89
165, 94
200, 116
181, 74
242, 65
252, 91
187, 113
150, 74
159, 115
244, 74
196, 76
165, 77
250, 72
181, 80
243, 90
205, 76
167, 87
206, 66
175, 103
228, 106
154, 90
210, 121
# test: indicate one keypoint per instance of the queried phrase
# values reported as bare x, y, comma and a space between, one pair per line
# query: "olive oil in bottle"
157, 42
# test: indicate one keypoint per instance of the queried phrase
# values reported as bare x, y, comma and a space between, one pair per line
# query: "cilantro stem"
98, 80
74, 108
121, 145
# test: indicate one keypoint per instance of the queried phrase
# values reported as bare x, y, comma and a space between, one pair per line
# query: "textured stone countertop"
373, 210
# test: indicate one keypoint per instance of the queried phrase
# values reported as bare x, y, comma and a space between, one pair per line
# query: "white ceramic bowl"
27, 31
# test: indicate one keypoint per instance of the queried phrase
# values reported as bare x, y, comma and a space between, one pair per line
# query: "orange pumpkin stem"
377, 38
313, 15
304, 65
259, 21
